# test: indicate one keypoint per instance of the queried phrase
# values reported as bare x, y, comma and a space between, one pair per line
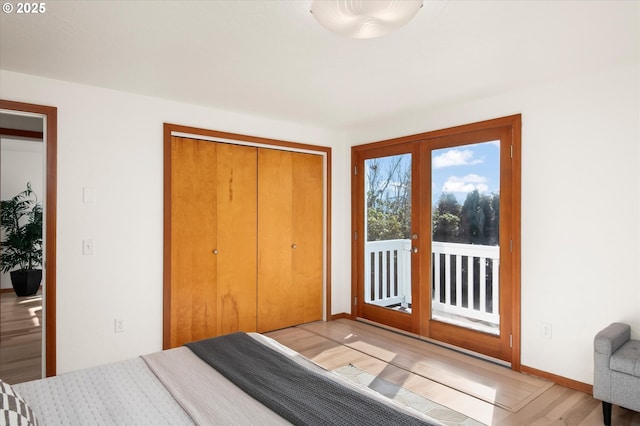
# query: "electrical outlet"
546, 330
118, 325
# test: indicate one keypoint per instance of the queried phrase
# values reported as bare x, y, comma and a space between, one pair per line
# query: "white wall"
580, 207
113, 142
22, 162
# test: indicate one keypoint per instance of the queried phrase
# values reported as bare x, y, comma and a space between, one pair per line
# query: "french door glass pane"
465, 236
387, 254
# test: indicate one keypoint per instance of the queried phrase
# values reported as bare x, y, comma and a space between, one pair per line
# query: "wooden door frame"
514, 123
394, 319
170, 129
51, 138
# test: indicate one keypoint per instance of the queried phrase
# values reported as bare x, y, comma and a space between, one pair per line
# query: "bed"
236, 379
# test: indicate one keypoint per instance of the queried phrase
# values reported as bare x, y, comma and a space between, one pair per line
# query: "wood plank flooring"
487, 381
20, 337
393, 356
329, 345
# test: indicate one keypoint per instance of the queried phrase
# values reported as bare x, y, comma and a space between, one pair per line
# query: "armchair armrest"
611, 338
605, 344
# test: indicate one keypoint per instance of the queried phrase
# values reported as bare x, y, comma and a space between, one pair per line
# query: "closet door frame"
247, 140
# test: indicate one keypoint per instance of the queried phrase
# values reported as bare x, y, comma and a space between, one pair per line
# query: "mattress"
172, 387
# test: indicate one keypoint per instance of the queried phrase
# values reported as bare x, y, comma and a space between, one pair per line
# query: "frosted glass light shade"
364, 18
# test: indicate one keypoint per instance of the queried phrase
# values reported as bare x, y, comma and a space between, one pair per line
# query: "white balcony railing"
465, 278
466, 281
387, 280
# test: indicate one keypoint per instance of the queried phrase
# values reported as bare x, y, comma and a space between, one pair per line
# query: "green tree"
388, 195
480, 218
446, 219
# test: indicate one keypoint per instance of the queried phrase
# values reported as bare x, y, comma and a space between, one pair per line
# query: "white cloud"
473, 178
465, 184
455, 157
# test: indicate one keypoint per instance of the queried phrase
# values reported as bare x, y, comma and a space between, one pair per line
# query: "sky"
462, 169
459, 170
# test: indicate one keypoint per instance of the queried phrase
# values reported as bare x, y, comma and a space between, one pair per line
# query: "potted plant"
21, 219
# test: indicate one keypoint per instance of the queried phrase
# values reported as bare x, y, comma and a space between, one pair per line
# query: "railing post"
367, 274
436, 277
404, 279
459, 281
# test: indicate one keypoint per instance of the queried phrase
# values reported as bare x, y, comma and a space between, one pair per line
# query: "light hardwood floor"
392, 356
20, 337
389, 356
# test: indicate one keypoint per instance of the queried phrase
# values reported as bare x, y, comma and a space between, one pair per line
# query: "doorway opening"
30, 131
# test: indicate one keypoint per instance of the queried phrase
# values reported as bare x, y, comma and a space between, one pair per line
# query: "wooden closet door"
290, 196
307, 216
237, 238
213, 239
193, 239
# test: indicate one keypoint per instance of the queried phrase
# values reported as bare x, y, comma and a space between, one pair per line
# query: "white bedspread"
173, 387
121, 393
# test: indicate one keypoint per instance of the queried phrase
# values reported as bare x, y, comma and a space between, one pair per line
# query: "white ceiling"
270, 58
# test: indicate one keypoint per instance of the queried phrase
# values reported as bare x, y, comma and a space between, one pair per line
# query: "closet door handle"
293, 246
215, 251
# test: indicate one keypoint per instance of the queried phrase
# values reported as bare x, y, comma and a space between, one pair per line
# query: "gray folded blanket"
299, 395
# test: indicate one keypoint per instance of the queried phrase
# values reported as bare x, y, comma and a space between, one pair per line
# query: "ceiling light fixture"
364, 18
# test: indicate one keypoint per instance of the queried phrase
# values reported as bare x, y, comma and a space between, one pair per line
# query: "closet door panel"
290, 253
276, 300
237, 238
307, 218
193, 266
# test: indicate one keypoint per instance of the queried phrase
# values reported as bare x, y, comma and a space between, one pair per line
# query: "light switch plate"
89, 195
87, 247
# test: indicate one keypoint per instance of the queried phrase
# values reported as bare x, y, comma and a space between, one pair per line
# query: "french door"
387, 260
436, 235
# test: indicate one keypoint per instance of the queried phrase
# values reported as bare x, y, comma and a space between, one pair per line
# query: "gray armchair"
616, 369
